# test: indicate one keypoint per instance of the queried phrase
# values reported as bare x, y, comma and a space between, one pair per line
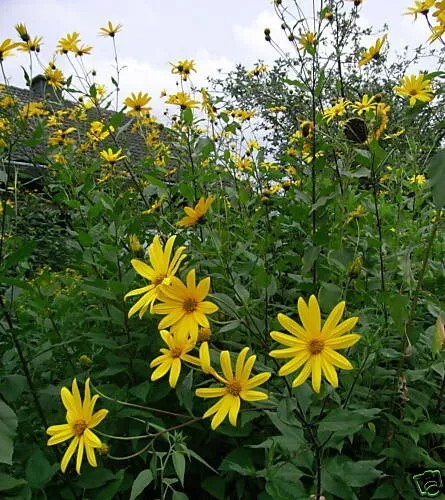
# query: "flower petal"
342, 328
253, 395
329, 372
97, 418
294, 363
303, 375
316, 372
343, 341
80, 454
292, 326
257, 380
226, 364
211, 392
69, 453
235, 403
337, 359
175, 371
333, 318
285, 339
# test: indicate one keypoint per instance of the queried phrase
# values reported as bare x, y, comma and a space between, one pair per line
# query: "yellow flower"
81, 50
417, 88
54, 77
420, 7
179, 345
207, 105
183, 68
159, 273
183, 100
358, 212
153, 207
313, 346
237, 386
111, 157
338, 109
22, 31
373, 52
184, 306
33, 109
308, 38
204, 334
194, 215
137, 103
68, 43
98, 131
257, 70
32, 45
366, 104
6, 48
110, 30
60, 137
80, 420
418, 179
242, 115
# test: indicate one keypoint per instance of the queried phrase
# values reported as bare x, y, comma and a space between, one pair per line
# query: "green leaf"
179, 495
38, 470
109, 492
309, 257
329, 295
436, 176
143, 479
346, 422
215, 486
398, 309
239, 461
187, 116
8, 483
93, 478
361, 473
8, 427
179, 465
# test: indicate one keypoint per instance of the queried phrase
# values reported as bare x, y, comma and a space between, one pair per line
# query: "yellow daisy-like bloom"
7, 47
82, 50
135, 244
183, 68
137, 104
194, 215
184, 306
80, 420
312, 347
179, 345
161, 269
418, 179
22, 31
373, 52
337, 110
420, 7
68, 43
111, 157
308, 38
366, 104
60, 137
32, 45
110, 30
54, 77
237, 385
417, 88
183, 100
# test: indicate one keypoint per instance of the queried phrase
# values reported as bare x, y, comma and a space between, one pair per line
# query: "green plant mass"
243, 300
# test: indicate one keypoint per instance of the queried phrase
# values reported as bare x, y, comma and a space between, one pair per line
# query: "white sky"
216, 34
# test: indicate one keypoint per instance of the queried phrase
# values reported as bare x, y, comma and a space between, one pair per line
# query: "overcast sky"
216, 34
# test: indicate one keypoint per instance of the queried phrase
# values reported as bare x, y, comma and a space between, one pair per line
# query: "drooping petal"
213, 409
329, 372
191, 282
156, 255
167, 337
80, 454
235, 403
222, 412
253, 395
68, 400
62, 436
292, 326
91, 457
226, 364
333, 318
343, 341
201, 319
55, 429
138, 291
175, 371
247, 369
294, 363
337, 359
167, 254
316, 372
170, 319
303, 375
210, 392
204, 357
159, 360
161, 370
91, 439
69, 453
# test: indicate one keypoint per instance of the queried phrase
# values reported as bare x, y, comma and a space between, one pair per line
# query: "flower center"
190, 305
176, 352
233, 387
159, 279
413, 92
316, 346
79, 427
